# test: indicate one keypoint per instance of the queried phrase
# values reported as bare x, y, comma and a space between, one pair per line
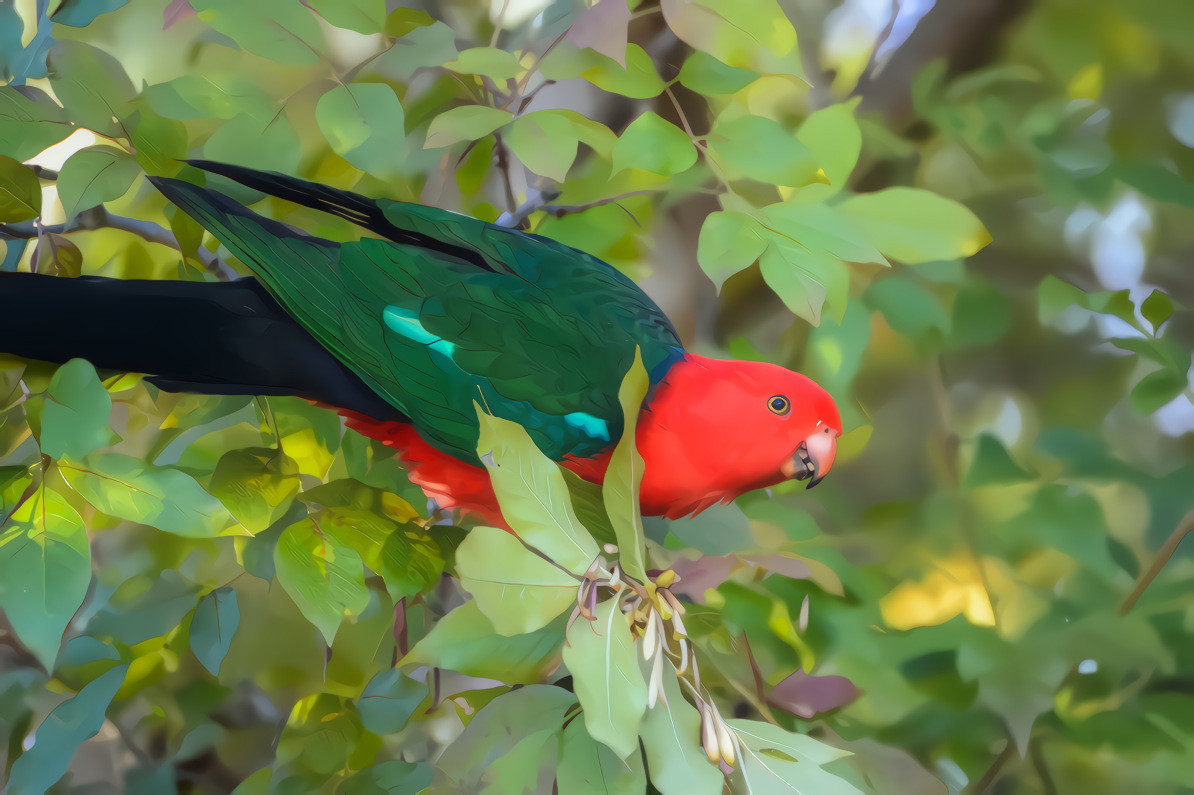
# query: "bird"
430, 314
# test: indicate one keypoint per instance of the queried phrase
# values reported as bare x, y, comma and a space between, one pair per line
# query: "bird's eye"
778, 404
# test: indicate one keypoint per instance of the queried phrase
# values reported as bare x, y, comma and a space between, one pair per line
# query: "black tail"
228, 338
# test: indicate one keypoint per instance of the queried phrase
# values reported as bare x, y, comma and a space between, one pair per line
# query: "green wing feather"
448, 311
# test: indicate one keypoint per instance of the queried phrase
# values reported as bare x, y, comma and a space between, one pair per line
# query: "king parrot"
437, 312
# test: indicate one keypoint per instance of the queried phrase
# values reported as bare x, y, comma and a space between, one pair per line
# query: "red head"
716, 429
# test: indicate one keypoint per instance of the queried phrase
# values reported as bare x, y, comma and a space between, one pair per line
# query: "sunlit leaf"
496, 64
363, 16
625, 473
518, 590
256, 485
777, 761
275, 29
586, 765
323, 577
764, 150
914, 226
653, 144
750, 34
532, 494
45, 569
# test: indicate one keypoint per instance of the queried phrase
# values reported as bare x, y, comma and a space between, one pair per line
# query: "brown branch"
993, 771
1159, 561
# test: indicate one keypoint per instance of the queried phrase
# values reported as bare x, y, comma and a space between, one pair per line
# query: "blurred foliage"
209, 594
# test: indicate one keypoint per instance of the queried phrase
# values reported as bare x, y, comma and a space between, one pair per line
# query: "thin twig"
993, 771
1159, 560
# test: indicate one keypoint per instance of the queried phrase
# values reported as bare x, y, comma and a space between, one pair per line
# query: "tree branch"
1159, 560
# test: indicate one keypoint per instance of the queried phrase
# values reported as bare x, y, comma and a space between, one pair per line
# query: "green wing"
448, 311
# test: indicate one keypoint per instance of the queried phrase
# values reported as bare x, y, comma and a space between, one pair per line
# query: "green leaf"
518, 590
30, 121
389, 700
402, 21
607, 679
20, 191
465, 641
638, 79
653, 144
914, 226
210, 96
704, 74
672, 739
364, 123
764, 150
778, 761
323, 576
909, 307
45, 569
545, 141
392, 778
91, 85
161, 497
62, 732
992, 464
585, 765
363, 16
466, 123
216, 620
404, 555
1157, 308
81, 13
265, 142
256, 485
728, 243
75, 419
625, 474
532, 494
749, 34
834, 140
1158, 388
278, 30
509, 745
589, 504
93, 176
496, 64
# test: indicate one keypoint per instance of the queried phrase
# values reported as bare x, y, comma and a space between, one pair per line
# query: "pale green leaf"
161, 497
20, 191
777, 761
625, 473
206, 96
914, 226
407, 558
638, 79
532, 494
509, 745
364, 124
75, 419
834, 140
672, 738
45, 569
749, 34
728, 243
585, 765
93, 176
517, 589
607, 679
653, 144
465, 641
326, 579
764, 150
216, 620
363, 16
66, 728
256, 485
91, 85
279, 30
257, 139
496, 64
466, 123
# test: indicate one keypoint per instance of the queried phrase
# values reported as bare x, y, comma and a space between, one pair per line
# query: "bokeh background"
988, 594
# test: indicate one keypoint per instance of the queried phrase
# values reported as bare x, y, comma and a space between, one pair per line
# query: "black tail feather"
227, 338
